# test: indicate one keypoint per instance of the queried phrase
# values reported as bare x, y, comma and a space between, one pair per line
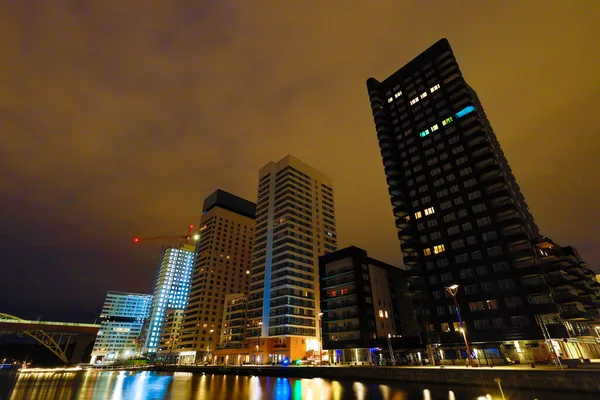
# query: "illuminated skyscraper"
171, 289
295, 224
122, 319
462, 219
222, 267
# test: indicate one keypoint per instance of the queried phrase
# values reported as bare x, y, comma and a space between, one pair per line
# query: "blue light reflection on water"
125, 385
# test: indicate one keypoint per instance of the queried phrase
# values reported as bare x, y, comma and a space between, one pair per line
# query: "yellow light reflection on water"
336, 390
201, 390
359, 390
182, 384
426, 394
385, 392
307, 389
255, 389
118, 388
43, 385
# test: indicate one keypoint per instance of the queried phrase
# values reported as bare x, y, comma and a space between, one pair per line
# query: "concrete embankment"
540, 379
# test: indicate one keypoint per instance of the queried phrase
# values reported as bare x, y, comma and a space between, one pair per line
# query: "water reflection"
283, 390
126, 385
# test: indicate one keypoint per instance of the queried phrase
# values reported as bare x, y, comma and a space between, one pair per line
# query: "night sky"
117, 118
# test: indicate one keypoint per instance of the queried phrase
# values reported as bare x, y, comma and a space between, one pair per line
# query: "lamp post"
208, 355
258, 341
319, 332
452, 290
392, 358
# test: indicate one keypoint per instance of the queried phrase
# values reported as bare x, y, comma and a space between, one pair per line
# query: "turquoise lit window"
465, 111
424, 133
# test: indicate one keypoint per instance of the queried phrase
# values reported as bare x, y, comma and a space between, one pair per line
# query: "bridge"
56, 336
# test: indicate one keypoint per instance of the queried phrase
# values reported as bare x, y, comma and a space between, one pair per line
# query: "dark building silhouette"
364, 303
462, 220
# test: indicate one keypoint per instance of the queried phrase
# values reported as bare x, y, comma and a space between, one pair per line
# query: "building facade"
295, 224
169, 340
122, 319
365, 303
460, 214
234, 346
222, 267
170, 290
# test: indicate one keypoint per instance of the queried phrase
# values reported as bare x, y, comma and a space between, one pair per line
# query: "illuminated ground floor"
278, 350
550, 351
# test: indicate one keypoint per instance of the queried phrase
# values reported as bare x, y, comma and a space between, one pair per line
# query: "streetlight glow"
453, 290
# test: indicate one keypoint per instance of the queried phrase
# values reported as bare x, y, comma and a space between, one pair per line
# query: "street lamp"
208, 355
392, 358
258, 341
452, 290
319, 331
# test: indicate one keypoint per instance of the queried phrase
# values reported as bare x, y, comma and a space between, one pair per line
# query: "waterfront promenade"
511, 377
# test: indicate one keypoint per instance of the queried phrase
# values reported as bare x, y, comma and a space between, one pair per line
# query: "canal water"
145, 385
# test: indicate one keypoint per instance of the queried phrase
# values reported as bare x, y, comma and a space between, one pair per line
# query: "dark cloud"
118, 118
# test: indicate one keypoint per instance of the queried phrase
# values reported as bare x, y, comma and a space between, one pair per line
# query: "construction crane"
189, 236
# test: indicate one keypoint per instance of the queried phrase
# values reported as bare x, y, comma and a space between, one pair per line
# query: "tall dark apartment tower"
460, 214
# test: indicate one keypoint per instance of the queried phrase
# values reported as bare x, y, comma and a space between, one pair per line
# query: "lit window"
418, 215
427, 252
439, 249
434, 128
386, 313
447, 121
465, 111
436, 87
423, 95
413, 101
424, 133
429, 211
381, 313
390, 99
398, 94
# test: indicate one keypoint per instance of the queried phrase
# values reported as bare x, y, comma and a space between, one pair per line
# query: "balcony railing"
526, 263
337, 272
349, 328
338, 315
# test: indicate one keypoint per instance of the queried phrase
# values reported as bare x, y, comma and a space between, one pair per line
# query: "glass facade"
122, 320
171, 289
295, 223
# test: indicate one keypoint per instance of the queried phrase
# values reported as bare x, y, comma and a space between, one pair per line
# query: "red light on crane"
136, 240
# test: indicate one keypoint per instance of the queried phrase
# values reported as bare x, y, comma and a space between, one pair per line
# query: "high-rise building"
169, 340
170, 291
122, 318
234, 320
222, 267
365, 304
295, 224
460, 214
